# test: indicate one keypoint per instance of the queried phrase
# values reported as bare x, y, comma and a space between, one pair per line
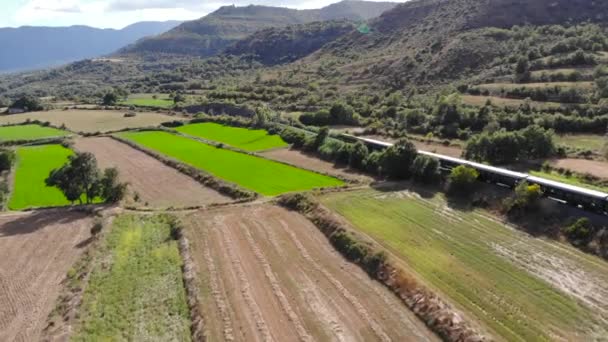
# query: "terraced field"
257, 174
34, 164
243, 138
135, 292
90, 121
267, 274
517, 286
29, 132
147, 100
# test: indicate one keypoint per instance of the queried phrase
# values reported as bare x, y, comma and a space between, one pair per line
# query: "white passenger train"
591, 200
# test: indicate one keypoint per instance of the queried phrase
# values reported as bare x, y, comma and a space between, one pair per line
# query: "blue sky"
120, 13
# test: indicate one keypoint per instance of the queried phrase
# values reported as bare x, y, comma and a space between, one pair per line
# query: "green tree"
178, 98
109, 99
112, 191
462, 179
397, 159
341, 113
358, 154
320, 138
28, 103
425, 169
581, 231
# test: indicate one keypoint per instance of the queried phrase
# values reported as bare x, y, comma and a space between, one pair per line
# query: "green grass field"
583, 141
29, 132
257, 174
136, 291
33, 166
243, 138
572, 180
491, 272
147, 100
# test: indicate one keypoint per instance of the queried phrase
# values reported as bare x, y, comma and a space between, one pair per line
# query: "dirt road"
36, 251
301, 159
156, 184
268, 274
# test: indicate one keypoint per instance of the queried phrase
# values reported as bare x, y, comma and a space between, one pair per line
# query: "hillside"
218, 30
51, 46
287, 44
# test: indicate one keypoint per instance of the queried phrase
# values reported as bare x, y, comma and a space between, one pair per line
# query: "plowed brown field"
36, 251
267, 274
157, 184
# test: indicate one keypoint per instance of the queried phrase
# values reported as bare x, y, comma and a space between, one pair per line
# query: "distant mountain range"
27, 47
215, 32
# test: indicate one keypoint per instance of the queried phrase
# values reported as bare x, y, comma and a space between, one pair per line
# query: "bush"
581, 231
372, 163
462, 180
331, 149
525, 199
358, 154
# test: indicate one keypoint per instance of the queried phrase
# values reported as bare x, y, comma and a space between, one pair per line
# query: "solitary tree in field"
80, 178
110, 99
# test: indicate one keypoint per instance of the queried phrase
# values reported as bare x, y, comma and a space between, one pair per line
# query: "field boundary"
206, 179
437, 314
197, 328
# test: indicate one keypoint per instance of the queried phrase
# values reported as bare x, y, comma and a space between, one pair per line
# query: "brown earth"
156, 184
90, 121
451, 151
593, 167
267, 274
301, 159
36, 251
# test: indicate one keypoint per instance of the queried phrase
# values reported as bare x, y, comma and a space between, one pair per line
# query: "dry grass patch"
90, 121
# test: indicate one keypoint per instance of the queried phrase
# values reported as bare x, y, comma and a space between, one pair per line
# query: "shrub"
525, 199
7, 157
372, 163
581, 231
358, 154
462, 180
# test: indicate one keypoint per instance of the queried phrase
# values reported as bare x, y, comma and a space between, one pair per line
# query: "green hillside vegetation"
257, 174
243, 138
29, 132
33, 166
136, 290
475, 261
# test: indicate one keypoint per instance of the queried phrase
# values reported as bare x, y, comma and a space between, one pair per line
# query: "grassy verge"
243, 138
466, 256
256, 174
29, 133
572, 179
136, 291
33, 166
590, 142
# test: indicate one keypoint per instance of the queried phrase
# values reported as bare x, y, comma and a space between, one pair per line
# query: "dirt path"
157, 184
305, 161
593, 167
268, 274
36, 251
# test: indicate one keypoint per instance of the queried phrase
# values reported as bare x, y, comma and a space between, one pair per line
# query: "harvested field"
156, 184
517, 286
36, 251
593, 167
90, 121
305, 161
267, 274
